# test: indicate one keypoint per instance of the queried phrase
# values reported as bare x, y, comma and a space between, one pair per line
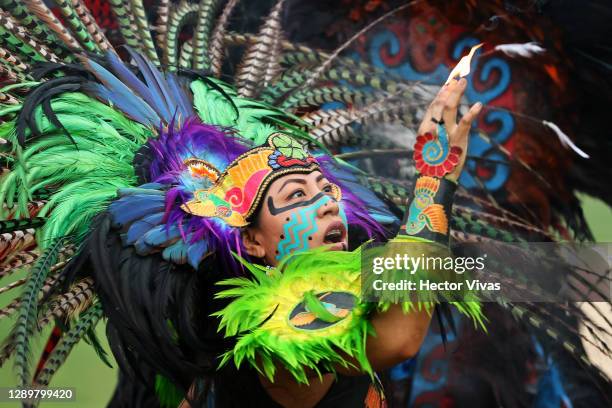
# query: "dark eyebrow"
293, 180
321, 177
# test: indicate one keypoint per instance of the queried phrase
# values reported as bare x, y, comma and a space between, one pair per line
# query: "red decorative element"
102, 13
438, 170
241, 197
223, 211
285, 161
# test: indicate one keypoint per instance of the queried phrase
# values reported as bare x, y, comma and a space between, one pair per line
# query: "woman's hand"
444, 108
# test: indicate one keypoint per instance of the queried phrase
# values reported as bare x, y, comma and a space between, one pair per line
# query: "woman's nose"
329, 207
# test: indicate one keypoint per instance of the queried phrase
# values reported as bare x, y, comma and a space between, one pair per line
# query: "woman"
309, 198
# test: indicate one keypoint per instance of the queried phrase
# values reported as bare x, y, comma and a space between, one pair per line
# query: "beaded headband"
234, 194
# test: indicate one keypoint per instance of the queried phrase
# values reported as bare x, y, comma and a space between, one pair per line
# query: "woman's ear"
252, 244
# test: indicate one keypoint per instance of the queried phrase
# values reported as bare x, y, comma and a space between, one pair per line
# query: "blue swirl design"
405, 70
436, 151
499, 171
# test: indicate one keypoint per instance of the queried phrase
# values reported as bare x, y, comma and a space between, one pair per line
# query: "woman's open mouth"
335, 233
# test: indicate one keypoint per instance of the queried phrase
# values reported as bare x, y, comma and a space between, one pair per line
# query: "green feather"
167, 393
316, 306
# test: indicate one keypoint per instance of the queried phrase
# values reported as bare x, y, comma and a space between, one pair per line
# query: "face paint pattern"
302, 224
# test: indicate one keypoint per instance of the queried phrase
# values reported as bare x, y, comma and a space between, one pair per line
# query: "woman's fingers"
462, 131
434, 111
463, 128
460, 138
452, 103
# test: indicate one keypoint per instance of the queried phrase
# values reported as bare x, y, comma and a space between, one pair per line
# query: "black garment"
241, 388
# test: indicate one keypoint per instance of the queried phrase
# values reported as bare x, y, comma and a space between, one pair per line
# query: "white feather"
526, 50
564, 139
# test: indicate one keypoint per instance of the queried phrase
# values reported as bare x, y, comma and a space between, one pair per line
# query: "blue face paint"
302, 224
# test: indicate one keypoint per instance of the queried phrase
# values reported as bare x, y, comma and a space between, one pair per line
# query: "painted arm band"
429, 213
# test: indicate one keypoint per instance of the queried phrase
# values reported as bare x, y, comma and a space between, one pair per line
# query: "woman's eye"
297, 194
328, 189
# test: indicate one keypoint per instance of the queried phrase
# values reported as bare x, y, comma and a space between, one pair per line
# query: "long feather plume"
36, 26
326, 64
86, 322
77, 26
26, 318
127, 24
179, 16
40, 9
13, 242
216, 50
19, 39
92, 27
261, 61
161, 25
205, 19
144, 31
187, 54
525, 50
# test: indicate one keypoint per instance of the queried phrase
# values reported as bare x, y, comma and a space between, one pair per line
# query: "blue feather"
176, 253
155, 84
160, 235
131, 208
140, 227
374, 205
180, 95
195, 252
135, 112
128, 191
384, 219
124, 73
153, 186
119, 94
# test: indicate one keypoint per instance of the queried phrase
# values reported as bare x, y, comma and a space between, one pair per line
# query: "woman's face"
298, 212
